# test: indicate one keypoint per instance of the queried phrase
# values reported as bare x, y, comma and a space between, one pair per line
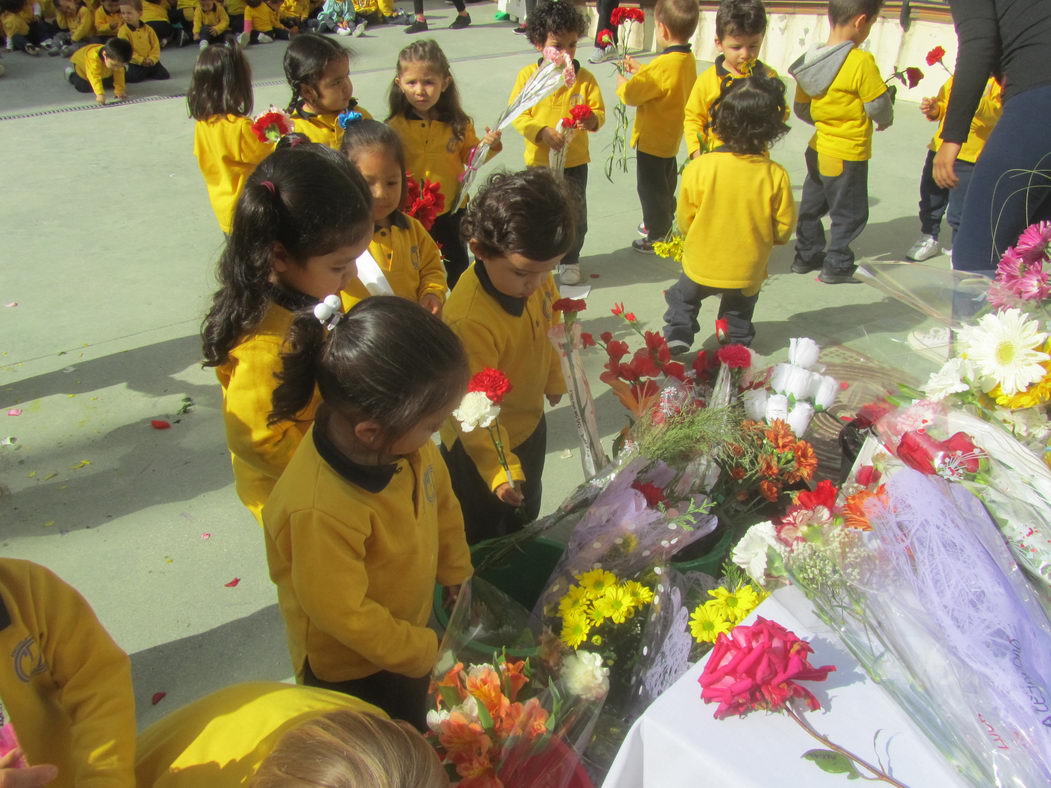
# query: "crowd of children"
344, 332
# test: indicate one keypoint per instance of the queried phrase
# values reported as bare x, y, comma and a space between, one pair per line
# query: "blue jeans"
934, 200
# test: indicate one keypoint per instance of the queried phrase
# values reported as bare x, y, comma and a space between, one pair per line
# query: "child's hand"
590, 123
554, 399
148, 61
432, 304
510, 495
929, 107
630, 64
551, 138
492, 139
100, 100
12, 776
452, 593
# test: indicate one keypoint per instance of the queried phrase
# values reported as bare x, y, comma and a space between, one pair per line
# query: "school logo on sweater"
429, 491
28, 659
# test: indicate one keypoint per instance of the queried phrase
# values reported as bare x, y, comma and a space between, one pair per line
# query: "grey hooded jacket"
815, 71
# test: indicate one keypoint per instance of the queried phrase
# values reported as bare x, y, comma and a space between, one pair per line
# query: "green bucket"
712, 562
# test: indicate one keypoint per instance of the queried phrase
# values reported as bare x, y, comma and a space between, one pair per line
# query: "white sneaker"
244, 39
70, 71
677, 347
641, 230
569, 274
359, 28
924, 249
343, 31
602, 54
265, 39
203, 44
947, 250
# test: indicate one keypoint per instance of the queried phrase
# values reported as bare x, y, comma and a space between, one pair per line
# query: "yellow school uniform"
17, 23
220, 740
235, 7
89, 65
227, 152
730, 232
990, 107
843, 128
155, 11
706, 89
409, 258
295, 9
264, 18
509, 334
433, 152
324, 128
216, 19
552, 109
144, 43
660, 90
107, 24
355, 552
65, 686
80, 24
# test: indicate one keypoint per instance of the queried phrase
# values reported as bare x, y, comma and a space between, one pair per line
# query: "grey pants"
684, 304
577, 178
655, 178
845, 199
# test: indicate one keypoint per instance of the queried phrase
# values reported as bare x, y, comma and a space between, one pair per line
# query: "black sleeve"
977, 57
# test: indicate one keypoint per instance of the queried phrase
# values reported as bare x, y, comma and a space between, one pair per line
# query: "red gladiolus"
617, 309
673, 369
913, 76
643, 366
735, 356
424, 201
616, 349
569, 305
657, 345
653, 494
606, 336
493, 382
630, 317
935, 56
822, 495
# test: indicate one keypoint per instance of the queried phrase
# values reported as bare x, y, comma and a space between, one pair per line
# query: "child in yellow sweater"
363, 522
402, 259
734, 206
76, 25
558, 25
145, 46
302, 220
97, 66
262, 23
108, 19
210, 23
24, 28
65, 686
519, 227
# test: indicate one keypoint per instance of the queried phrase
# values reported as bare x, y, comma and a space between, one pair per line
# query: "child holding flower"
519, 227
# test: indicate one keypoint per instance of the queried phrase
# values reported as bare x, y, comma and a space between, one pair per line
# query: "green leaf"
833, 763
484, 717
450, 697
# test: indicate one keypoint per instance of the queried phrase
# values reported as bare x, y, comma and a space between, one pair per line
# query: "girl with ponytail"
302, 220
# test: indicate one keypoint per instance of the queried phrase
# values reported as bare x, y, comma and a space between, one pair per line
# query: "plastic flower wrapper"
508, 709
568, 127
272, 125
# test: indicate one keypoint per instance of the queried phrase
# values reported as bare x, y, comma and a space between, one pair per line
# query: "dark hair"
554, 16
13, 6
221, 83
306, 59
841, 12
305, 196
118, 48
740, 18
366, 133
531, 213
679, 16
448, 108
388, 360
749, 115
136, 4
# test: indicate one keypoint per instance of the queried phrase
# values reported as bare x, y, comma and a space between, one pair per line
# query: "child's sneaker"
265, 39
244, 39
801, 266
164, 43
641, 230
461, 21
203, 45
677, 347
642, 246
359, 28
569, 274
66, 51
924, 249
602, 54
343, 31
181, 37
521, 30
832, 278
69, 72
418, 26
32, 49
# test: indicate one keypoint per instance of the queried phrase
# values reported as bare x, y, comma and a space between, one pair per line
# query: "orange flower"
453, 678
735, 449
478, 773
806, 462
484, 684
768, 465
854, 515
737, 472
532, 721
770, 490
461, 737
514, 673
781, 435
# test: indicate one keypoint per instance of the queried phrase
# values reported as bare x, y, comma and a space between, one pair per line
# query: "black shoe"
461, 21
417, 27
837, 279
643, 246
521, 30
803, 267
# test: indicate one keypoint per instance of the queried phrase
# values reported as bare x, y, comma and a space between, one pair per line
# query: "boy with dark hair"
145, 60
660, 90
97, 66
740, 26
558, 25
839, 90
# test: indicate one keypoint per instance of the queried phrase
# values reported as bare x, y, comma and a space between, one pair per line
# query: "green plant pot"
712, 562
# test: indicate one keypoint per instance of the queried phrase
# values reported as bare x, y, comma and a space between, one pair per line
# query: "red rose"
735, 356
822, 495
493, 382
867, 475
918, 450
757, 667
913, 76
653, 494
617, 309
959, 456
569, 305
935, 56
722, 330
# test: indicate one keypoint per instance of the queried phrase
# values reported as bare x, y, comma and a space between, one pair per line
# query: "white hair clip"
329, 311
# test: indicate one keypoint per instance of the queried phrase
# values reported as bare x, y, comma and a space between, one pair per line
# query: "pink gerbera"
1034, 285
1011, 267
1034, 240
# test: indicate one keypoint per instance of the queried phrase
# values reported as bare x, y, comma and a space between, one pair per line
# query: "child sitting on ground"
839, 90
518, 227
402, 259
318, 71
734, 206
210, 22
98, 66
294, 14
262, 23
659, 90
23, 27
339, 17
558, 26
108, 19
155, 13
235, 9
76, 24
145, 47
363, 522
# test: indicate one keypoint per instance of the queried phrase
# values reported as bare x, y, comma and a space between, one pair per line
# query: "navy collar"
678, 48
513, 306
371, 478
397, 219
290, 299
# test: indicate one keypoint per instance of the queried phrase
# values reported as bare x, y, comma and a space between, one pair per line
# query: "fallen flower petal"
233, 583
206, 535
10, 304
15, 412
158, 697
160, 424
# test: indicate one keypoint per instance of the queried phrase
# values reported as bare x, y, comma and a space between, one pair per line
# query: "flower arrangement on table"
579, 115
424, 200
623, 19
272, 125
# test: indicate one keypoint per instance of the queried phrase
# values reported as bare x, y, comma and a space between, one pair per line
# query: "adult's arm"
978, 55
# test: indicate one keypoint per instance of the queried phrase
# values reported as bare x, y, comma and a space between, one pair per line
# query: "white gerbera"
1003, 348
476, 410
948, 380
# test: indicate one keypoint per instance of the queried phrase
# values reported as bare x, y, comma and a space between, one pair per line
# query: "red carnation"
822, 495
735, 356
653, 494
604, 38
493, 382
622, 15
935, 56
570, 305
271, 125
577, 115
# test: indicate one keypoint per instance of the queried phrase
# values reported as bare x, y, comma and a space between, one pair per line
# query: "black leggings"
138, 73
446, 233
402, 697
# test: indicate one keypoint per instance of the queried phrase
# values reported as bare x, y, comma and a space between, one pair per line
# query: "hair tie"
329, 311
348, 117
295, 139
269, 186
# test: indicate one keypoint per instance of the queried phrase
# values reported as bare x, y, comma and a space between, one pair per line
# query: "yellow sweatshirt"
324, 128
81, 24
552, 109
355, 552
227, 152
410, 259
235, 7
264, 18
295, 9
706, 89
217, 18
733, 209
89, 65
433, 152
990, 107
17, 23
107, 24
509, 334
660, 90
155, 11
220, 740
65, 686
144, 43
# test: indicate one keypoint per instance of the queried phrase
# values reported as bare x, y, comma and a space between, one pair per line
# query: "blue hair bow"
347, 117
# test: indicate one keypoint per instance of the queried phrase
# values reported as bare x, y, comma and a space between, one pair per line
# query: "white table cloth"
677, 741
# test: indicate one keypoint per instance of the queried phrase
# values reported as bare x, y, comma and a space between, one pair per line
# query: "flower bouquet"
794, 391
424, 200
568, 128
272, 125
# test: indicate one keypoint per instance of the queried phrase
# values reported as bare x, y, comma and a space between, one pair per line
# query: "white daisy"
1003, 348
948, 380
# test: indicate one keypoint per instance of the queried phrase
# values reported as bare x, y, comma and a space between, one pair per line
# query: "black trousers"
684, 304
845, 199
83, 86
484, 515
655, 179
577, 177
446, 233
935, 201
139, 73
605, 11
164, 30
402, 697
237, 23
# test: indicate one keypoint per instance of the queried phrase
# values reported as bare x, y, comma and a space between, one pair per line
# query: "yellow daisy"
640, 594
734, 605
575, 630
707, 623
574, 599
614, 604
596, 582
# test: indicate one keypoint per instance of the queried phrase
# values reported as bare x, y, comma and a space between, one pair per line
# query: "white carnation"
476, 410
777, 407
435, 718
947, 380
751, 551
585, 676
791, 380
823, 391
754, 401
